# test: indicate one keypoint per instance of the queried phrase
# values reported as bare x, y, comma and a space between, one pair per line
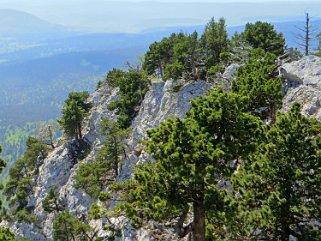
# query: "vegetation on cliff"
242, 170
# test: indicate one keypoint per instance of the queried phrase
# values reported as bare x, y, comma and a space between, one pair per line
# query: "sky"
137, 15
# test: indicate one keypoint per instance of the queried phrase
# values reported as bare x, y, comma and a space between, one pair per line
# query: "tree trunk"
79, 131
160, 68
286, 234
66, 230
285, 216
199, 221
307, 35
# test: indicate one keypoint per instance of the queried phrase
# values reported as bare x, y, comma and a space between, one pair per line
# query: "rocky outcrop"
60, 166
308, 94
160, 103
307, 69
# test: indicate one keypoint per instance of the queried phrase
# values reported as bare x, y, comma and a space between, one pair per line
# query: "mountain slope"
159, 104
58, 169
18, 23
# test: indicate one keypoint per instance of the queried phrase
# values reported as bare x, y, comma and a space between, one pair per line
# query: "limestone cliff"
308, 94
160, 103
59, 167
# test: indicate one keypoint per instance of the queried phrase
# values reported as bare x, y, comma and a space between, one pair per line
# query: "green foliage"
94, 177
19, 186
174, 70
214, 41
184, 59
73, 113
160, 54
187, 56
52, 202
23, 215
2, 162
191, 156
263, 35
133, 86
176, 88
256, 79
6, 234
99, 85
280, 183
2, 166
214, 70
67, 227
113, 150
225, 57
95, 211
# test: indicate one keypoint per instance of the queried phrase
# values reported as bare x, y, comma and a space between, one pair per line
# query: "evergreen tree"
182, 55
185, 58
256, 79
191, 156
214, 41
73, 113
2, 166
52, 202
67, 227
279, 185
263, 35
113, 150
133, 85
94, 177
160, 54
6, 234
2, 162
19, 186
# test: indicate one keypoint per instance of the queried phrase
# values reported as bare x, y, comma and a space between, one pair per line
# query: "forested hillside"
190, 143
34, 53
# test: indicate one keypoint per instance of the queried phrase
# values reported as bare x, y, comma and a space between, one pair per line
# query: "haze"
134, 16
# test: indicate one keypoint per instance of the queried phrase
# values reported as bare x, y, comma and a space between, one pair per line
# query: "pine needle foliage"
75, 109
191, 156
133, 85
257, 80
279, 185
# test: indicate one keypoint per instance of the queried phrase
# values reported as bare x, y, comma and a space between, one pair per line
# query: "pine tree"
52, 202
279, 185
73, 113
94, 177
191, 156
214, 41
185, 58
19, 186
6, 234
256, 79
133, 85
263, 35
67, 227
2, 162
160, 54
113, 150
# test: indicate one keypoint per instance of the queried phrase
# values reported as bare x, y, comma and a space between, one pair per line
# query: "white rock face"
58, 169
308, 94
160, 103
308, 69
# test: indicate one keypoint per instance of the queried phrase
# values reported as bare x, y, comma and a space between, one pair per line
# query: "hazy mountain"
40, 63
18, 23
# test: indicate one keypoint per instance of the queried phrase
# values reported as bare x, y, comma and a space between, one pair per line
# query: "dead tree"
45, 134
306, 35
